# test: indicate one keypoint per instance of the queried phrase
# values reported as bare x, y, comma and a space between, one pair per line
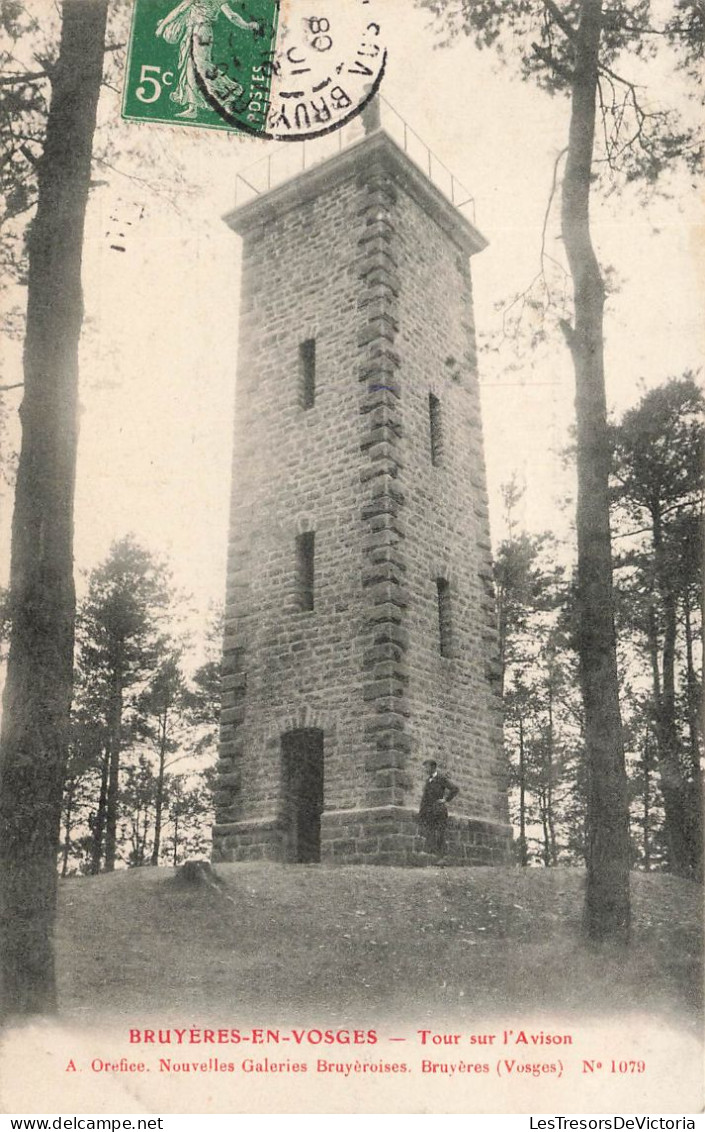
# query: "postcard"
325, 819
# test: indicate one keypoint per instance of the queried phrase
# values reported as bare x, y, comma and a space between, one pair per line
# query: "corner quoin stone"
363, 255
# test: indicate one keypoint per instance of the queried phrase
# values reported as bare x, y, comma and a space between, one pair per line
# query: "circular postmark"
300, 69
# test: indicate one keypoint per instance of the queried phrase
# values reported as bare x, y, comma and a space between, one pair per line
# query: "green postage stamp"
287, 70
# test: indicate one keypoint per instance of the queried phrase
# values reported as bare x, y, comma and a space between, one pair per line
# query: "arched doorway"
302, 782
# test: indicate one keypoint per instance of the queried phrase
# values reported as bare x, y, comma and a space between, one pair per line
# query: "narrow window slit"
435, 430
305, 570
307, 373
445, 626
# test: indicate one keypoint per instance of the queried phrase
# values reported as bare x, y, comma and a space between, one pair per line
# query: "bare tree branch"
565, 26
23, 77
546, 57
681, 506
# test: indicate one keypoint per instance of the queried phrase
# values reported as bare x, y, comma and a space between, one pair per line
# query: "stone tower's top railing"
288, 161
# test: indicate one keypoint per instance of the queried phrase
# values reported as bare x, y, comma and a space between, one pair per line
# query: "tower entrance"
302, 778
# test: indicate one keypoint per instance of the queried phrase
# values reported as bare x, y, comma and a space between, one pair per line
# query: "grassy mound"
368, 939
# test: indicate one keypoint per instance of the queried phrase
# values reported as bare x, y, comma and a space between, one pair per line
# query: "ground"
338, 942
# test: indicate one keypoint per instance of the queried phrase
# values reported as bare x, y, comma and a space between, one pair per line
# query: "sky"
159, 352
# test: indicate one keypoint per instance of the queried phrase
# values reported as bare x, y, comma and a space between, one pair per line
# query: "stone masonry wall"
353, 257
294, 470
453, 699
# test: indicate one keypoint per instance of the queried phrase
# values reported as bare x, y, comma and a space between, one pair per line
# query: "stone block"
385, 758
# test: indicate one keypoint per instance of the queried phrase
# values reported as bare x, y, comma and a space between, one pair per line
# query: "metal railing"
288, 160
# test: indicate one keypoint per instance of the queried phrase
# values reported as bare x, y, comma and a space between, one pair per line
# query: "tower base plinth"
384, 836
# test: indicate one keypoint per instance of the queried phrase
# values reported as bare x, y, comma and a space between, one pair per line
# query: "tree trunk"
550, 776
696, 785
543, 807
34, 738
523, 854
692, 687
683, 845
114, 749
68, 815
667, 708
607, 894
689, 785
145, 835
647, 804
159, 801
669, 774
98, 829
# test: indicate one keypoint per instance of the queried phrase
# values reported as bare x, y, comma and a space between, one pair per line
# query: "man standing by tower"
433, 811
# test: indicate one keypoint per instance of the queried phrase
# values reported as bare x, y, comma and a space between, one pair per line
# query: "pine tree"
37, 699
123, 646
657, 500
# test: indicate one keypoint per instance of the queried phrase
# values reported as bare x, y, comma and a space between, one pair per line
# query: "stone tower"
360, 630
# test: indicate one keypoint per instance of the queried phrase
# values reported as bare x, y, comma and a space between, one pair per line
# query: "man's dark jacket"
437, 790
